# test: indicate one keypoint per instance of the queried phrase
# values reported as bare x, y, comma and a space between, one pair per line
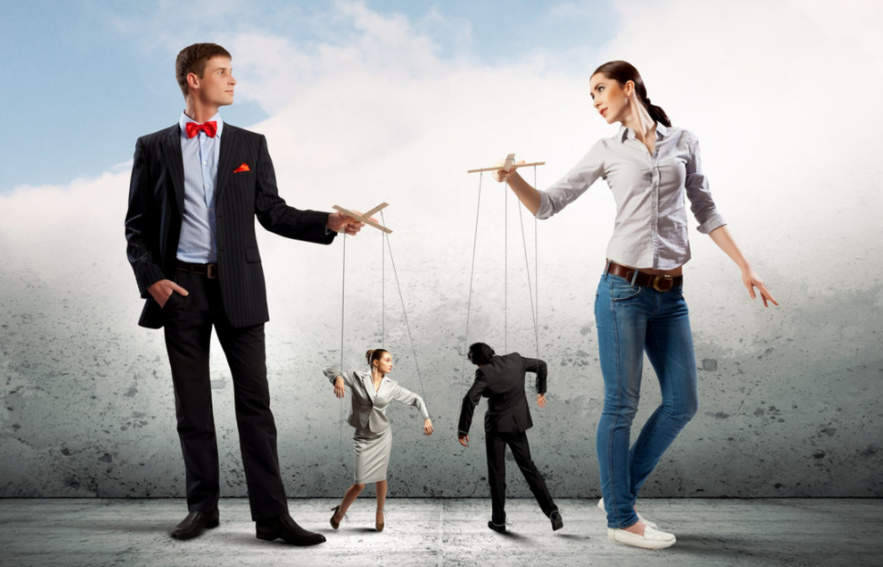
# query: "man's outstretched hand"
339, 222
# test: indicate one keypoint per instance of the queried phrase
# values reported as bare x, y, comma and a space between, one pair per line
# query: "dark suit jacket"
501, 381
156, 211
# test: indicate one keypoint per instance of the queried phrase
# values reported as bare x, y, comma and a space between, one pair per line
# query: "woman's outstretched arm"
528, 195
544, 204
409, 398
722, 237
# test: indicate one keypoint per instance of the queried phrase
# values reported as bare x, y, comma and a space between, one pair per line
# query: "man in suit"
500, 379
195, 190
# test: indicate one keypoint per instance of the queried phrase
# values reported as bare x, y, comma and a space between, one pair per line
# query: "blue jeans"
632, 320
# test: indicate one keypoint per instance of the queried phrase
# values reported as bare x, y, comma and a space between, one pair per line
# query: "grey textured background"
789, 396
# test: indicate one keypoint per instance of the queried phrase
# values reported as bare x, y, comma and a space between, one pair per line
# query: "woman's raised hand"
501, 174
339, 388
427, 426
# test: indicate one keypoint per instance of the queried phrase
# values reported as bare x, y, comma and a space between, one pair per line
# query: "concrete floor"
798, 532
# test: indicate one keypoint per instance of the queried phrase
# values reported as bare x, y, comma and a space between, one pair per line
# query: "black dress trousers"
188, 322
496, 443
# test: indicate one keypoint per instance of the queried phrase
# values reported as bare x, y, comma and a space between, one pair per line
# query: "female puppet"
649, 166
372, 391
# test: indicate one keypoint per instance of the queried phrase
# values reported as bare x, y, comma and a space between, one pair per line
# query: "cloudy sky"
105, 69
108, 67
366, 101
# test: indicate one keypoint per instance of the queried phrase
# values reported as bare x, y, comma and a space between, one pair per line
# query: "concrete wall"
789, 395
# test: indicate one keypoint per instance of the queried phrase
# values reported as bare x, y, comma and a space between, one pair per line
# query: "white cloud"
57, 233
855, 23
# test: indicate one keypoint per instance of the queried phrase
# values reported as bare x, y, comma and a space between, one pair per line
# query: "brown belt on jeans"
208, 270
657, 282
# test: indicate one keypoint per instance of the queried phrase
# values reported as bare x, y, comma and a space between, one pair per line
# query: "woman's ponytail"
656, 113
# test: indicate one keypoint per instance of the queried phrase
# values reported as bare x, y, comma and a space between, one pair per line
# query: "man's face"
217, 82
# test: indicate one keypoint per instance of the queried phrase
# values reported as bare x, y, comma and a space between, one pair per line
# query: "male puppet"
500, 379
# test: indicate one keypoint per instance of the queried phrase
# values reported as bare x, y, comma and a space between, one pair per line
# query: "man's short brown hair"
193, 59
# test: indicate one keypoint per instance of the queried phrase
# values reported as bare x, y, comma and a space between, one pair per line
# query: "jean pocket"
624, 292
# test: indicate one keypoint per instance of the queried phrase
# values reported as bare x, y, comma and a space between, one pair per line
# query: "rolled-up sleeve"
698, 192
568, 188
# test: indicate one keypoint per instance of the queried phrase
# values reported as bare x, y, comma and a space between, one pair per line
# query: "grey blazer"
369, 412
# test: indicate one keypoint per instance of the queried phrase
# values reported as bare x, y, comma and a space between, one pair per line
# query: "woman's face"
609, 98
384, 365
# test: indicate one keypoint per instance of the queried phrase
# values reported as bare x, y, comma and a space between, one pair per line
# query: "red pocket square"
241, 168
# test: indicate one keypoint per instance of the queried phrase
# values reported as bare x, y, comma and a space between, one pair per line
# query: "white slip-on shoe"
652, 538
640, 517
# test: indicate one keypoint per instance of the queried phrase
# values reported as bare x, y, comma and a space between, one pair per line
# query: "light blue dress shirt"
198, 241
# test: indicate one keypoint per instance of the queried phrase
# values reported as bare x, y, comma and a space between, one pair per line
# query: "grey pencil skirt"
372, 455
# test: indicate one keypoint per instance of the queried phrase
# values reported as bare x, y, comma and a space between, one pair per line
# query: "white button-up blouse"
649, 190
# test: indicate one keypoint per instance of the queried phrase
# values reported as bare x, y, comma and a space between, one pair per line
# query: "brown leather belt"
657, 282
208, 270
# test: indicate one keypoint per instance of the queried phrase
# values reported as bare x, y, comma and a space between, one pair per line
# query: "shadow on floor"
145, 526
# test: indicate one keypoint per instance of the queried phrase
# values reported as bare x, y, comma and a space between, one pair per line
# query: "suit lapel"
383, 390
229, 141
363, 381
172, 150
368, 382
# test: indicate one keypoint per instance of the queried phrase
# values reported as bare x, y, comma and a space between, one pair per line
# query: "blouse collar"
662, 131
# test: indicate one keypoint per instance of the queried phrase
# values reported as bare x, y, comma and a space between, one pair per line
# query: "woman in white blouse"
650, 166
372, 392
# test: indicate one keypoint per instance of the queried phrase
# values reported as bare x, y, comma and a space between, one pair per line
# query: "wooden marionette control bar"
365, 217
508, 165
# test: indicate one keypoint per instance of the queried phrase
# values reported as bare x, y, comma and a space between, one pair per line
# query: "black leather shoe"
284, 527
557, 522
194, 523
501, 528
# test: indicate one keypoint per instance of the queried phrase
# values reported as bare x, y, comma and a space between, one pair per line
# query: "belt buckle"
211, 271
657, 280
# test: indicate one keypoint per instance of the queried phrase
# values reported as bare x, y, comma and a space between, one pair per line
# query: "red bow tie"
210, 129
